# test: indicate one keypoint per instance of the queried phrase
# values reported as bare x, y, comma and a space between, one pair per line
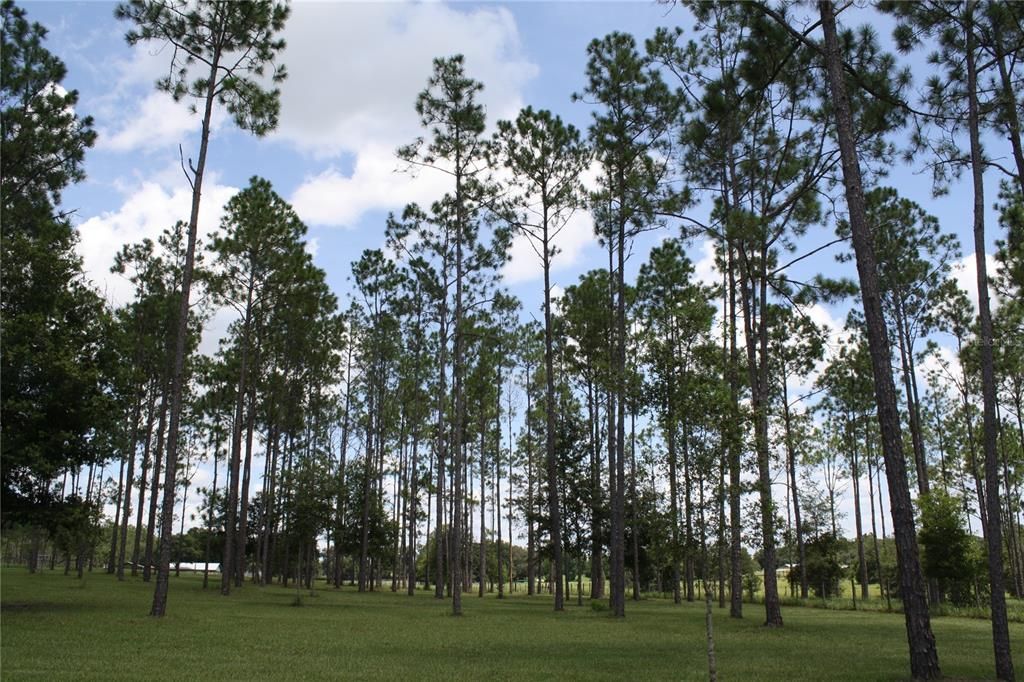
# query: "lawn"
55, 627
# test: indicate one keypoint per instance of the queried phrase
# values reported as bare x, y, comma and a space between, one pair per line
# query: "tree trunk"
365, 580
531, 553
154, 489
619, 471
1000, 627
917, 442
442, 443
497, 492
735, 459
688, 544
178, 375
137, 545
209, 521
673, 492
126, 509
757, 369
632, 503
554, 511
924, 660
596, 564
483, 508
791, 463
855, 477
242, 539
883, 585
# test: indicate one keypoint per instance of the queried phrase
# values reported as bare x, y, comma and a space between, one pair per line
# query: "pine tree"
221, 49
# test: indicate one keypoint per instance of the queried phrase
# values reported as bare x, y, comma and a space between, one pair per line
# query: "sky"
354, 72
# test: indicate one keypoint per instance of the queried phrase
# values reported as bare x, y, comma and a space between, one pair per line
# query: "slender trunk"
723, 464
178, 376
483, 508
554, 511
343, 456
619, 472
882, 584
688, 545
1000, 626
924, 659
757, 367
365, 580
242, 540
154, 491
791, 463
673, 492
442, 443
596, 566
270, 523
632, 503
127, 508
234, 463
735, 459
209, 519
121, 497
146, 459
855, 478
915, 424
458, 386
414, 494
497, 488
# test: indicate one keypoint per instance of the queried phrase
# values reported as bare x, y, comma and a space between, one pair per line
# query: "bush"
951, 556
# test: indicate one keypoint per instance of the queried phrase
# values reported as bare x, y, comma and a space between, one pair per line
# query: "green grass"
54, 627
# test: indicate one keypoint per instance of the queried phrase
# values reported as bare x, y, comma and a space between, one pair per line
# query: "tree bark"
147, 564
178, 374
924, 660
1000, 627
791, 463
554, 511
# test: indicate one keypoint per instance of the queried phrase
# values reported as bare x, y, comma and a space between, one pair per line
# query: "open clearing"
54, 627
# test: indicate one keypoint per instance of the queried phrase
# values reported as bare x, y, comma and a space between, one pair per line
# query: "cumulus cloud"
333, 198
158, 122
363, 89
965, 272
705, 269
145, 213
358, 99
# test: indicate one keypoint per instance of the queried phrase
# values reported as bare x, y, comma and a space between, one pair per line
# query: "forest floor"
55, 627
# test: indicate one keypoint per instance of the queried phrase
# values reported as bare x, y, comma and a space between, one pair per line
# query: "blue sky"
355, 70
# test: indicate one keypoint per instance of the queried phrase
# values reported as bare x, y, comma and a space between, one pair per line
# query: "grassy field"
55, 627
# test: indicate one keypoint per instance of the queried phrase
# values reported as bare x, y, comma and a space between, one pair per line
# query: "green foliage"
55, 368
950, 555
221, 53
44, 139
826, 554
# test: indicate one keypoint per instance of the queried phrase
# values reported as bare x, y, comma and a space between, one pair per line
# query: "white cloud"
377, 182
359, 97
364, 87
312, 246
133, 115
146, 212
705, 269
965, 272
158, 121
